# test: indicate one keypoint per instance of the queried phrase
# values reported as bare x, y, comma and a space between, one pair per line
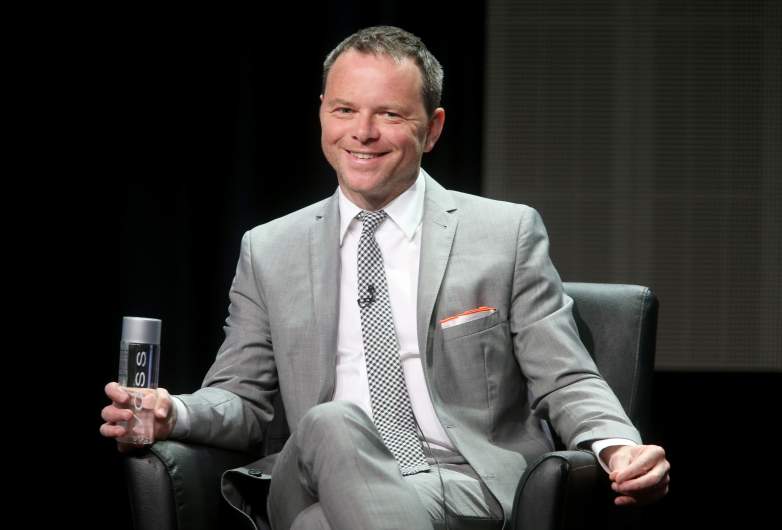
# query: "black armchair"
173, 485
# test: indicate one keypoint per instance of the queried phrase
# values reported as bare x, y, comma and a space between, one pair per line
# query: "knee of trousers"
329, 423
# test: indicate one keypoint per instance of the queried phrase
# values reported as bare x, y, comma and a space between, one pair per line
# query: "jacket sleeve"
234, 405
564, 383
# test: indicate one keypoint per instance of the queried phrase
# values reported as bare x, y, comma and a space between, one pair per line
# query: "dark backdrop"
177, 133
648, 136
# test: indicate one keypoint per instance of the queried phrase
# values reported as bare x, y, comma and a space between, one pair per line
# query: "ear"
434, 129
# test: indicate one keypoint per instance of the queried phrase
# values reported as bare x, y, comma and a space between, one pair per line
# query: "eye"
343, 110
391, 114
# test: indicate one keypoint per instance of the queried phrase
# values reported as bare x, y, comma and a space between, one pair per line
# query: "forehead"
357, 75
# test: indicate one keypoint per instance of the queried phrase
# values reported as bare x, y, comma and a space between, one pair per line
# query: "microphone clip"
365, 301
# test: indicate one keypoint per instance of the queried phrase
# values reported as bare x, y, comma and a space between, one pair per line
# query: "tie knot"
371, 220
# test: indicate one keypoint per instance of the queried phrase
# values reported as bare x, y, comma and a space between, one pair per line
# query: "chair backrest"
618, 325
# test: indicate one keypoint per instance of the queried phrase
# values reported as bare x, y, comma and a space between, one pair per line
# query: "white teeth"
363, 156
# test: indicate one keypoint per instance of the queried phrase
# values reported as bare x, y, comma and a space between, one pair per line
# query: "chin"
360, 183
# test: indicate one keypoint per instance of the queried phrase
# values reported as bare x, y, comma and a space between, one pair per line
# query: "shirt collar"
406, 210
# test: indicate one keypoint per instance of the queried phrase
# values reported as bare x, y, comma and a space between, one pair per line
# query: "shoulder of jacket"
468, 204
291, 224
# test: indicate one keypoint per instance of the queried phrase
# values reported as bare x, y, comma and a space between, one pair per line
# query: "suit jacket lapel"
438, 229
324, 260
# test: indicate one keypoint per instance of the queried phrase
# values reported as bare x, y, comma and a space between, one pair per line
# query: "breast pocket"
461, 367
452, 329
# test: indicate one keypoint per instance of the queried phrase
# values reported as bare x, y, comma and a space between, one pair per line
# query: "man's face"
374, 127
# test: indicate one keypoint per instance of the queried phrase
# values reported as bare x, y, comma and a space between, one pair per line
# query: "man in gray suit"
456, 290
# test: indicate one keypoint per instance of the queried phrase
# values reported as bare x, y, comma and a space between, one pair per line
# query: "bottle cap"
141, 330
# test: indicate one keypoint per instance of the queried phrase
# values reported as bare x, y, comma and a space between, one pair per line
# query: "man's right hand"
119, 411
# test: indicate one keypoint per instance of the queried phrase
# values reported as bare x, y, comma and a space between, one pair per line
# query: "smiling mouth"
364, 156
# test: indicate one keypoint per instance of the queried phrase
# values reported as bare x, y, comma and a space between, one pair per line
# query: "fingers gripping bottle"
139, 361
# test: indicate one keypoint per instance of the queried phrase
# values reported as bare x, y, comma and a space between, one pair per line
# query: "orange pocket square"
467, 316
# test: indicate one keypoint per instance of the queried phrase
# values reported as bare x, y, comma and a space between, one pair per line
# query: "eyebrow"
392, 106
338, 101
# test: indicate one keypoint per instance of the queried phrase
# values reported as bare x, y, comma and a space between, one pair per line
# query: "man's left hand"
639, 474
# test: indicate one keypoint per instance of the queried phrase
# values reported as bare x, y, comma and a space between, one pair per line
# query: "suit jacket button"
254, 472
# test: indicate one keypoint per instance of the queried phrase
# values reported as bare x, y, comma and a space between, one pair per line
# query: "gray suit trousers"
335, 472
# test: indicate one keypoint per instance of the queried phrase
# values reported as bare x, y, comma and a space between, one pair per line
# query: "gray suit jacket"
491, 380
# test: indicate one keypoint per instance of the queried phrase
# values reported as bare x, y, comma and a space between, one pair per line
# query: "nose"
366, 129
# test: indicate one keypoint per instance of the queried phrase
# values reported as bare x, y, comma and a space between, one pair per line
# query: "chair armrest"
556, 490
175, 485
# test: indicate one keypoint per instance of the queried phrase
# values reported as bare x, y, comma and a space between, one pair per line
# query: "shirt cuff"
599, 445
182, 426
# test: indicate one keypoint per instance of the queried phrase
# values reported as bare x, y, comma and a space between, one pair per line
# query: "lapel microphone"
365, 301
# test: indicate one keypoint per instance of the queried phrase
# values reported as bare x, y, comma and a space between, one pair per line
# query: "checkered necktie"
391, 408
